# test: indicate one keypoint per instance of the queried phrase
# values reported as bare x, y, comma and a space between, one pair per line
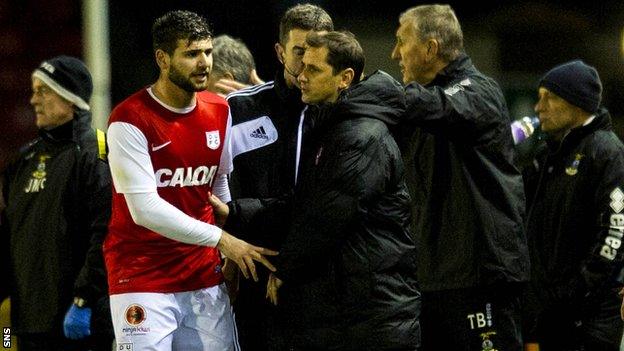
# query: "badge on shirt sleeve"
213, 140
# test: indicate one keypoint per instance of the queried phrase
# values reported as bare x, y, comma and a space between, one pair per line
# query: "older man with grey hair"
58, 204
232, 60
467, 194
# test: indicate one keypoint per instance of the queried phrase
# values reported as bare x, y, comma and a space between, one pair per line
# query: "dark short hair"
437, 22
306, 17
232, 55
343, 51
176, 25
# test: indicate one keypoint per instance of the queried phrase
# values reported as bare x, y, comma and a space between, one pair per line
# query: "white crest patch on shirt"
213, 140
450, 91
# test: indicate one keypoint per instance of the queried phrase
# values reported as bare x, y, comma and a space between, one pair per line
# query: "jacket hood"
378, 96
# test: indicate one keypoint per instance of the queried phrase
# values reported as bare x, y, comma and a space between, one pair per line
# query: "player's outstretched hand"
244, 254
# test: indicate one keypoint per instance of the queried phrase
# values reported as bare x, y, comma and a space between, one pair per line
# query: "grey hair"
232, 55
437, 22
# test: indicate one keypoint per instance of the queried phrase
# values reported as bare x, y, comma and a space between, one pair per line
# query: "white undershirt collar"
182, 110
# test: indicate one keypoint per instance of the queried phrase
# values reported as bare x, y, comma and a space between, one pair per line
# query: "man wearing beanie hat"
58, 200
575, 224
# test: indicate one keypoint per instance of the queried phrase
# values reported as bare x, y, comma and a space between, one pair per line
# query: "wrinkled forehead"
407, 28
39, 84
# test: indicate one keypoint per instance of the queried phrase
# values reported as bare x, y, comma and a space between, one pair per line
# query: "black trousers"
474, 319
255, 315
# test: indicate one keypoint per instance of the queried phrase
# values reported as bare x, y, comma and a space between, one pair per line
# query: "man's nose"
395, 55
538, 106
301, 78
203, 60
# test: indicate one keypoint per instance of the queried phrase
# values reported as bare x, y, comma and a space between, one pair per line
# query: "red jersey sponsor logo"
185, 176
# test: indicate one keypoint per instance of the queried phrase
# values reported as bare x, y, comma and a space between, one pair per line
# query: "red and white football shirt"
178, 154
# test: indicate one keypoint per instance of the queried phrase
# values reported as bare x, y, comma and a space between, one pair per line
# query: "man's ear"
346, 78
279, 51
433, 46
228, 75
162, 59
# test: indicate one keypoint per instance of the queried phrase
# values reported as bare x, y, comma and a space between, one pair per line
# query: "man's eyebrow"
312, 65
196, 50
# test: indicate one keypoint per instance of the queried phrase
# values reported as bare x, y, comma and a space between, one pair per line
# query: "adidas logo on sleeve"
253, 134
259, 133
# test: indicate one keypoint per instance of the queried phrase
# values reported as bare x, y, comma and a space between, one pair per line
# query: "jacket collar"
378, 96
455, 68
602, 121
287, 96
69, 131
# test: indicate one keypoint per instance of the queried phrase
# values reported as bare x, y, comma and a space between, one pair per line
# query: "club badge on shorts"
135, 315
213, 140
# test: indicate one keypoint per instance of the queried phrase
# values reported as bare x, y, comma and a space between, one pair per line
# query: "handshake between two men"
243, 255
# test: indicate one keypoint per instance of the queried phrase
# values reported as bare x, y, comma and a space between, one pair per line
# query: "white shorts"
185, 321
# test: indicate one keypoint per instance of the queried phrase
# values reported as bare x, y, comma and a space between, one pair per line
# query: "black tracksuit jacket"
575, 226
263, 168
467, 195
348, 261
265, 126
53, 237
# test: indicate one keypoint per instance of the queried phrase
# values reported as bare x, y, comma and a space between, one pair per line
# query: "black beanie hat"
577, 83
68, 77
